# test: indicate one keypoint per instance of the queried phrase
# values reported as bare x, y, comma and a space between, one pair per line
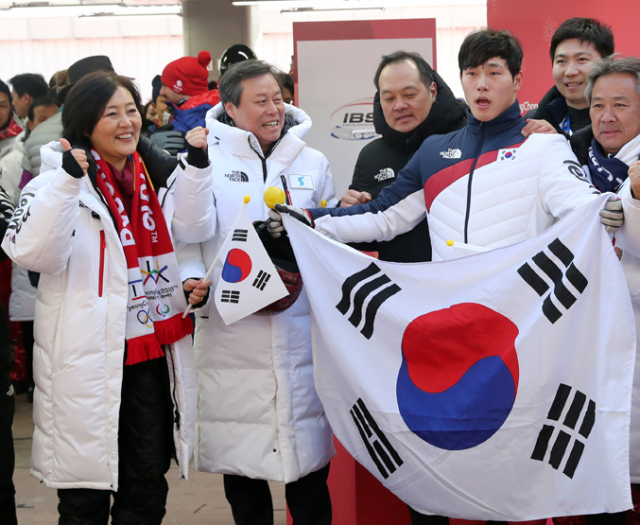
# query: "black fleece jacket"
380, 161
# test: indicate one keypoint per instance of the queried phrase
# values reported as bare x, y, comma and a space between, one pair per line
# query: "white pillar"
216, 25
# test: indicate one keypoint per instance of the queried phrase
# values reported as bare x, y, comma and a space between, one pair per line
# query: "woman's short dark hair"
85, 103
480, 46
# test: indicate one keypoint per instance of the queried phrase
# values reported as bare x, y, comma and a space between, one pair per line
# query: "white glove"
612, 215
274, 223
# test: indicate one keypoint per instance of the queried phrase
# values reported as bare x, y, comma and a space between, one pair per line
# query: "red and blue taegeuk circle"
459, 375
237, 266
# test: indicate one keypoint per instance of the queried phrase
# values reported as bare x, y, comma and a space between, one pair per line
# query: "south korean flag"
248, 280
492, 387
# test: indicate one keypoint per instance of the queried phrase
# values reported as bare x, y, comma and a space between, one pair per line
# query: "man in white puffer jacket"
259, 415
609, 151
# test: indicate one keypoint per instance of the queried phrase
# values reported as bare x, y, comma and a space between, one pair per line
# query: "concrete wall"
215, 25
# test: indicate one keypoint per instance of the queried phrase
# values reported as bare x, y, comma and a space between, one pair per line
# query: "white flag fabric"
248, 279
495, 386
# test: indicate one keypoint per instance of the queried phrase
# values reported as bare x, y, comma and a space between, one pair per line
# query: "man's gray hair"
230, 88
608, 66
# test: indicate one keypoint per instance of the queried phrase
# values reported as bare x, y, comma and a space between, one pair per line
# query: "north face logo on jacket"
451, 154
237, 176
385, 173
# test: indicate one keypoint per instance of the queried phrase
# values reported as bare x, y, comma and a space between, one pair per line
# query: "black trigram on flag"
261, 280
376, 288
240, 235
381, 451
557, 275
578, 422
230, 296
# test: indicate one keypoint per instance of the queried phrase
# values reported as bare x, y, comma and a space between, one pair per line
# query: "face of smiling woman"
116, 134
261, 109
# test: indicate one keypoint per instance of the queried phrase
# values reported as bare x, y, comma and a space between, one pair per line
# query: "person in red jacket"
185, 84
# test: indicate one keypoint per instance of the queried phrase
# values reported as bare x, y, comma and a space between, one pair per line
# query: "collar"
445, 113
630, 151
245, 144
11, 129
507, 119
558, 109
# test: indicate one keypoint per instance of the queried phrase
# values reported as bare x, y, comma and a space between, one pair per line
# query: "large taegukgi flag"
496, 386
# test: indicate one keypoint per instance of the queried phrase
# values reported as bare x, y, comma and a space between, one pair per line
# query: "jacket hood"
51, 156
446, 115
581, 142
210, 98
222, 128
552, 108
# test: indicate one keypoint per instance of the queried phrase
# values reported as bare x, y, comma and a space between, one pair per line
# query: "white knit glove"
612, 215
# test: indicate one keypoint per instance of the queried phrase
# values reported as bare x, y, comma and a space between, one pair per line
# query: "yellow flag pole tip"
247, 199
323, 203
449, 242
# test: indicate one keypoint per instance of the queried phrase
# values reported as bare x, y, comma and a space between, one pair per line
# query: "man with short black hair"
9, 128
575, 45
411, 103
26, 88
11, 164
482, 185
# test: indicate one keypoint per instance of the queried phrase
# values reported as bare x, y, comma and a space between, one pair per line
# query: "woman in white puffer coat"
113, 362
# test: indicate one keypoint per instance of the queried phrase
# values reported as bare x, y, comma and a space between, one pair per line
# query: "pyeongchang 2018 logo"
354, 121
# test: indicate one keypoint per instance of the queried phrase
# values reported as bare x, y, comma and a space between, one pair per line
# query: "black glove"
171, 141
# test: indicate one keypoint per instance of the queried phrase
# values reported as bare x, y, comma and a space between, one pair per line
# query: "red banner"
534, 23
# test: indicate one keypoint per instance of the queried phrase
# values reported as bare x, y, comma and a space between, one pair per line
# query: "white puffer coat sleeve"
194, 218
39, 236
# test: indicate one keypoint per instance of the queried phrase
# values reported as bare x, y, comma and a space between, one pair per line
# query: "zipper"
262, 158
176, 412
103, 247
264, 168
469, 184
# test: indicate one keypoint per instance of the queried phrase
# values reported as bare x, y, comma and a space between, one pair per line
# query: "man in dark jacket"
412, 102
575, 45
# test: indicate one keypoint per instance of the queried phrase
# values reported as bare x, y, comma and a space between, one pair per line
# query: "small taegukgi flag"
496, 386
248, 280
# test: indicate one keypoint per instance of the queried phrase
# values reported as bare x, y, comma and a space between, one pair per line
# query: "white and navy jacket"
259, 415
484, 185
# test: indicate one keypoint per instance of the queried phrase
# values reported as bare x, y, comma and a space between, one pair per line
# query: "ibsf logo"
354, 121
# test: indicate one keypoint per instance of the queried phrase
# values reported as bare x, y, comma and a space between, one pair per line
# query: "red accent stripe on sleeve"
444, 178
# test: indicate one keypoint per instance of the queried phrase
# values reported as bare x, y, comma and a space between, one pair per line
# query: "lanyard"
565, 125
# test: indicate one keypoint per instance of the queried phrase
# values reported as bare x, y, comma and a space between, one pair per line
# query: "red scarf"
156, 300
